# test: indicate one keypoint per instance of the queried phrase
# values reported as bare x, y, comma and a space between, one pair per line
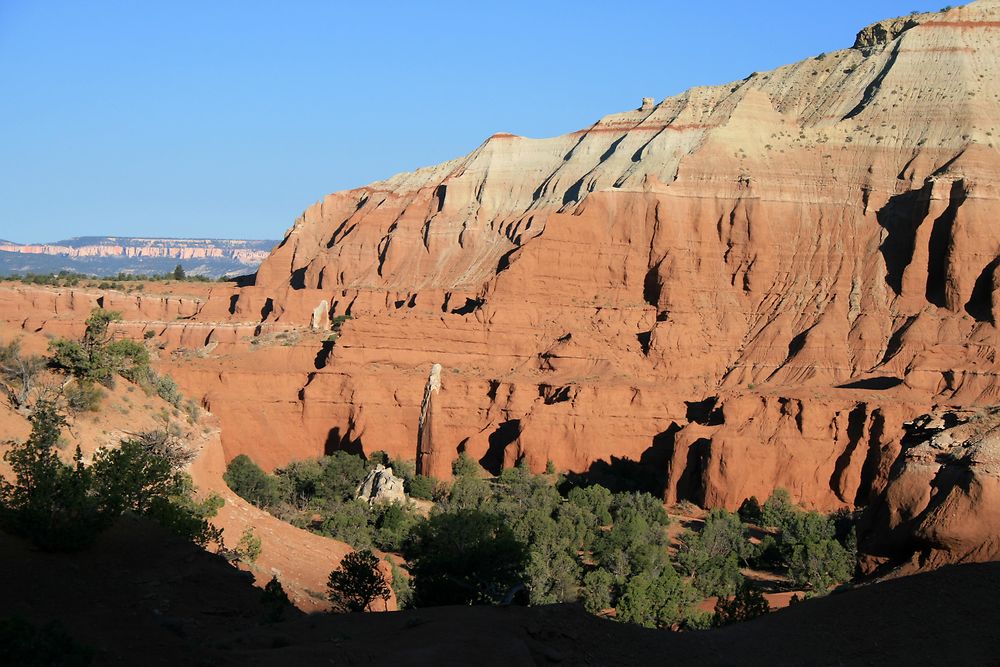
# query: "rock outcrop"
381, 486
737, 288
941, 503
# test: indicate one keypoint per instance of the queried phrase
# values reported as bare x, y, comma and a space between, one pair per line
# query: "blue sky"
227, 118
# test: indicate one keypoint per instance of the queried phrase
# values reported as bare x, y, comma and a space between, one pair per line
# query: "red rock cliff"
741, 287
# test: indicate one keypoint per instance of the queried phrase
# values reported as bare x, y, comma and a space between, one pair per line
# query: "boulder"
380, 485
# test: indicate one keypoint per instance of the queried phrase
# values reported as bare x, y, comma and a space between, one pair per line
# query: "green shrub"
334, 477
250, 482
401, 587
63, 507
807, 544
748, 603
129, 477
98, 357
357, 583
49, 502
421, 487
466, 466
393, 522
714, 555
166, 388
652, 601
83, 396
464, 557
348, 521
248, 548
597, 591
274, 600
778, 510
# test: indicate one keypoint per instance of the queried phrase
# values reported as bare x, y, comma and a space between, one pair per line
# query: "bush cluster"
116, 281
318, 494
63, 507
489, 540
99, 358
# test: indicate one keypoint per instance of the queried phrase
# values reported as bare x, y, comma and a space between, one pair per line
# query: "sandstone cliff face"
941, 504
741, 287
824, 226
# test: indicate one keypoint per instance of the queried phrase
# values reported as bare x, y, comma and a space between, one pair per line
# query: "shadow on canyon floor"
140, 596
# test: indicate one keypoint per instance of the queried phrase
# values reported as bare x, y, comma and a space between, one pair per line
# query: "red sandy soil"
300, 559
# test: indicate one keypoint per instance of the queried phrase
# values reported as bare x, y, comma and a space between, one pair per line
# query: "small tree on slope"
357, 583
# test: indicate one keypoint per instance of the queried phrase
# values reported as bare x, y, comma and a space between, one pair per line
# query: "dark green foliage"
778, 510
187, 517
714, 555
250, 482
64, 507
597, 590
348, 521
421, 487
748, 603
464, 557
807, 544
552, 574
334, 477
323, 488
417, 486
466, 466
50, 503
637, 540
179, 273
468, 492
815, 558
96, 357
750, 511
99, 358
401, 587
379, 457
492, 535
393, 522
129, 477
185, 523
588, 510
357, 583
25, 645
656, 601
767, 555
274, 600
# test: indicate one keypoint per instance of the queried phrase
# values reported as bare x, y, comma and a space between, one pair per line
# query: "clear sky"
226, 118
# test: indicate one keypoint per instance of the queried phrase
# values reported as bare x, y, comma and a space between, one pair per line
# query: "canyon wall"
742, 287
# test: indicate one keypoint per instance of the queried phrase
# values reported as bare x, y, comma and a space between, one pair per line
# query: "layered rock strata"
741, 287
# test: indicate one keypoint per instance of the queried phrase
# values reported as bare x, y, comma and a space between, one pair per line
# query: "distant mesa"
109, 255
